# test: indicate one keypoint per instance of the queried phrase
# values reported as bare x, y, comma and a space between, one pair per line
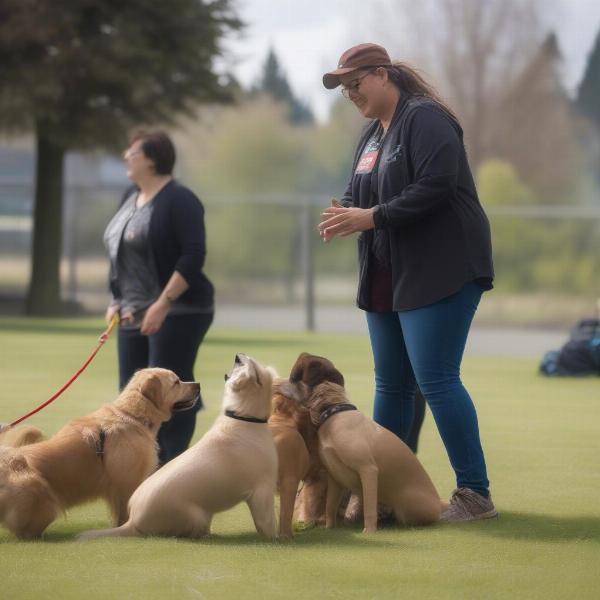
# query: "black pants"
174, 346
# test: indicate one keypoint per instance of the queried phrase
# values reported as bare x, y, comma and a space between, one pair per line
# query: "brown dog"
285, 423
313, 370
374, 463
104, 455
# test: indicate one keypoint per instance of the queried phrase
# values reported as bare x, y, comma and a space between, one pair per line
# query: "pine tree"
79, 75
274, 82
588, 97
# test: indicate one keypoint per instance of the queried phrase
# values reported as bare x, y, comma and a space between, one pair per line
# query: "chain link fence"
264, 250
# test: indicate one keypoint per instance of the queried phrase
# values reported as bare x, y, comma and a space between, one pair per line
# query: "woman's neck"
150, 186
387, 114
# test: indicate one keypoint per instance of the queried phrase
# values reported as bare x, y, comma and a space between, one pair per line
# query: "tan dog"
20, 436
104, 455
235, 461
374, 463
312, 370
285, 421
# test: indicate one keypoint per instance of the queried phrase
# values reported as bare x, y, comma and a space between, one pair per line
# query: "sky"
309, 36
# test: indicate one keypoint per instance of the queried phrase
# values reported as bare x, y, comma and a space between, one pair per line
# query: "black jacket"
434, 230
178, 242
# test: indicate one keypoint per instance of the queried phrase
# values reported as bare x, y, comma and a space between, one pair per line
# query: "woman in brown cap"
425, 257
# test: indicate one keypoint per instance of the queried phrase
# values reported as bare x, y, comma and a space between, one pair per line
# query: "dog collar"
334, 410
231, 413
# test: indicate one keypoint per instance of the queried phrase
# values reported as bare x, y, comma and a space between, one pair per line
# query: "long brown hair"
409, 81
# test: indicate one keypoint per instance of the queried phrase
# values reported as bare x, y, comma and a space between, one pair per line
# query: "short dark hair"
158, 147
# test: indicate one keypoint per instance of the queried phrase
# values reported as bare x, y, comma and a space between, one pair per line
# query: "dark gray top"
138, 279
127, 240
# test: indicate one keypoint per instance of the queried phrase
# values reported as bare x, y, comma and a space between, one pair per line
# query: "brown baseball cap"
362, 56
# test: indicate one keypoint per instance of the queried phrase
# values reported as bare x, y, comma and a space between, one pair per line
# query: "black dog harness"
334, 410
100, 444
231, 413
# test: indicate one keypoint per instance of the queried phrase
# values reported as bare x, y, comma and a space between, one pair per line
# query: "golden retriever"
374, 463
235, 461
104, 455
292, 454
20, 436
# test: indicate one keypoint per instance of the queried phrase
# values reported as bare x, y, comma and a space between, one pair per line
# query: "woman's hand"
110, 312
338, 220
155, 316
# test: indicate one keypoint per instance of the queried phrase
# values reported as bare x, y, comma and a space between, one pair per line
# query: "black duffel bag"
579, 356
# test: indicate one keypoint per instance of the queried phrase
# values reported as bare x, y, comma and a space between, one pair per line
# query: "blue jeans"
425, 346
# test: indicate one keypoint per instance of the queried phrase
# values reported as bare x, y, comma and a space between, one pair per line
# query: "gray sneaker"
467, 505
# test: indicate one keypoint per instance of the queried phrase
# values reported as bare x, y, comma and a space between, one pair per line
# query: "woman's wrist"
167, 298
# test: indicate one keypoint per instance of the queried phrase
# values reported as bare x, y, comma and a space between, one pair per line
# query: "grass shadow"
537, 527
339, 537
344, 536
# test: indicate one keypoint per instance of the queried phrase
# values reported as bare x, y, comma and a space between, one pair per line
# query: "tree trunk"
43, 297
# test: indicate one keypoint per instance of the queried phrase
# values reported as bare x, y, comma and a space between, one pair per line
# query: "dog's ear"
151, 388
319, 370
17, 463
297, 372
290, 390
265, 375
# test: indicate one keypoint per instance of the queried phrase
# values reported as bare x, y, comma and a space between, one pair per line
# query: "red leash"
54, 396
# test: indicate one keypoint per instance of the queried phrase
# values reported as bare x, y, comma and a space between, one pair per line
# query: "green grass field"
542, 441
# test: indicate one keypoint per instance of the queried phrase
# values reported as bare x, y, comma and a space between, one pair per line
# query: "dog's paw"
300, 526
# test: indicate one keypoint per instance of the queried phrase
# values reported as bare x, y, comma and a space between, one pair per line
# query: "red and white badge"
368, 158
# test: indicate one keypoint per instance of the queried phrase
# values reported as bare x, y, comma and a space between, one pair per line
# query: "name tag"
368, 158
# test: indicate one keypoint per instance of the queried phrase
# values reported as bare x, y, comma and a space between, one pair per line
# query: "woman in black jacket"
157, 246
424, 253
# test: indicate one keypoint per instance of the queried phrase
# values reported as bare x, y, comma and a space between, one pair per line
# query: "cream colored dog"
361, 455
106, 454
235, 461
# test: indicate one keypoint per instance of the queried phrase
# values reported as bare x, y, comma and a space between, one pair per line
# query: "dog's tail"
125, 530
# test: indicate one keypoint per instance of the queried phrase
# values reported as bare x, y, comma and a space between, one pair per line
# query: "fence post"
308, 266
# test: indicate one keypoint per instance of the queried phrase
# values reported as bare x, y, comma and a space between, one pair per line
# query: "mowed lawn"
542, 441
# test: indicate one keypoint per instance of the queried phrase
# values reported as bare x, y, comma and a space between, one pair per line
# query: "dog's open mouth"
240, 361
185, 404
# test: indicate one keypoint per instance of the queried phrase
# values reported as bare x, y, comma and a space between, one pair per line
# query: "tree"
80, 75
274, 83
546, 158
588, 97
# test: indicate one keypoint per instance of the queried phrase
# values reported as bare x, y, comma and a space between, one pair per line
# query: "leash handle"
102, 339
